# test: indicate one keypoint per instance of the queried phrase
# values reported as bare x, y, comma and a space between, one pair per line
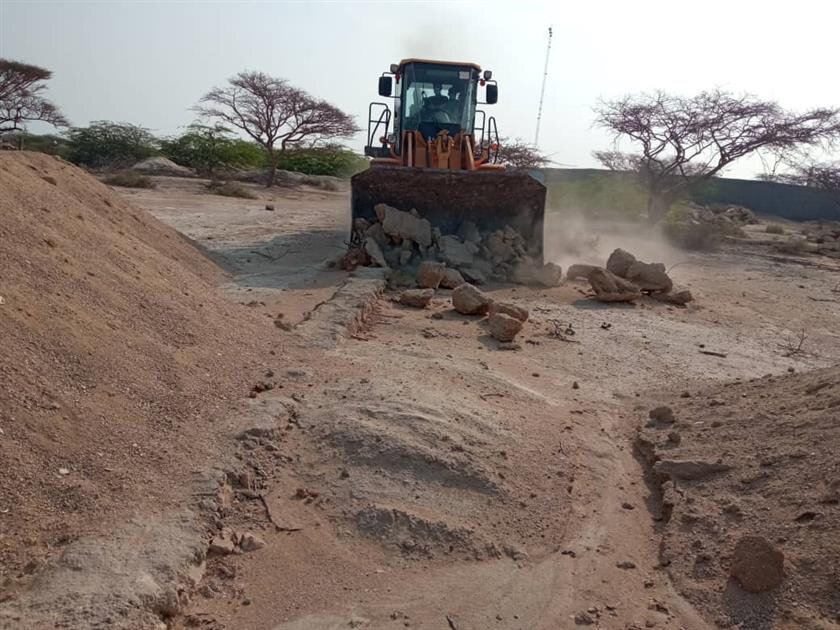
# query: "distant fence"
797, 203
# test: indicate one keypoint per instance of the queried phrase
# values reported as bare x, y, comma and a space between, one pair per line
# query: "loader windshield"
441, 96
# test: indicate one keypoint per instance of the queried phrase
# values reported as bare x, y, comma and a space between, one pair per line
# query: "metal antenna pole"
542, 91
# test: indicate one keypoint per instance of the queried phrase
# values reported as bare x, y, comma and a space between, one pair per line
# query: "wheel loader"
434, 151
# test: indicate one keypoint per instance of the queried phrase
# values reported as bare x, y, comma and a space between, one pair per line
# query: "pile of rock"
626, 279
822, 237
409, 244
504, 320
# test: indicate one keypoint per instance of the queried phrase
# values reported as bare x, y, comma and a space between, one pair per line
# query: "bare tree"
823, 176
21, 99
682, 141
275, 114
519, 154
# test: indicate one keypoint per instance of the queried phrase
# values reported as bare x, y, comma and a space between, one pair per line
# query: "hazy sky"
148, 62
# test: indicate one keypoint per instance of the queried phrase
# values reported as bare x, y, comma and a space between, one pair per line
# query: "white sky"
148, 62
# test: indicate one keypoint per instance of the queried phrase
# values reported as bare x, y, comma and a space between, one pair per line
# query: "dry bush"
129, 179
229, 189
795, 245
774, 228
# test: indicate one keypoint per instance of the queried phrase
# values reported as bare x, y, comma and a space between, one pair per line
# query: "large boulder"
619, 262
468, 300
430, 274
609, 287
580, 271
757, 565
404, 225
649, 276
525, 272
160, 165
419, 298
503, 327
507, 308
451, 278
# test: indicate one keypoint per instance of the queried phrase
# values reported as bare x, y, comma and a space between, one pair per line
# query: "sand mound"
115, 354
160, 165
763, 463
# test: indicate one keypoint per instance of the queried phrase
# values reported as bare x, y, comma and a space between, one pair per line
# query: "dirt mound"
115, 355
766, 452
160, 165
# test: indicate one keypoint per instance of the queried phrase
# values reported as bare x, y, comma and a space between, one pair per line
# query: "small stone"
575, 385
757, 565
583, 619
678, 295
269, 207
468, 300
628, 506
674, 437
419, 298
250, 542
222, 544
63, 471
504, 327
625, 564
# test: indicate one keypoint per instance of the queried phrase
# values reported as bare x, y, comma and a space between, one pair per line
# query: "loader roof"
445, 63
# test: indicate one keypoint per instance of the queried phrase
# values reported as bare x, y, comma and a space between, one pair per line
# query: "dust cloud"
573, 237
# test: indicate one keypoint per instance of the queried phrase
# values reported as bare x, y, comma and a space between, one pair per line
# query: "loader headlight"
488, 74
394, 68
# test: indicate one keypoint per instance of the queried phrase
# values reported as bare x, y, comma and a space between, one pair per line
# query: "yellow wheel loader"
433, 151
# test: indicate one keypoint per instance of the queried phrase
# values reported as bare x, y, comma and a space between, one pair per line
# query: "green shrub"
209, 149
230, 189
50, 144
774, 228
332, 160
108, 144
129, 179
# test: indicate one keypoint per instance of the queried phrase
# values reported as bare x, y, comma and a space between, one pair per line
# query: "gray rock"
689, 469
430, 274
469, 232
662, 415
404, 225
757, 565
473, 275
649, 276
376, 232
418, 298
503, 327
451, 278
455, 253
619, 262
498, 249
375, 252
468, 300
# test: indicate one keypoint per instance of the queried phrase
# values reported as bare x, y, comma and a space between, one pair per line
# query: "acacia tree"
275, 114
519, 154
21, 98
682, 141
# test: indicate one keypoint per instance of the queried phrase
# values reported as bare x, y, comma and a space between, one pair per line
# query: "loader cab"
429, 97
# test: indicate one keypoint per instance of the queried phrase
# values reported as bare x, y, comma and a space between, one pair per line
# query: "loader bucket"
447, 198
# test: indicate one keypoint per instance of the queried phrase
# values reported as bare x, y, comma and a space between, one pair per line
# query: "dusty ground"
415, 475
452, 483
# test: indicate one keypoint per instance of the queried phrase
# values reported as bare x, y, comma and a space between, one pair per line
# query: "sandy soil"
416, 475
451, 484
